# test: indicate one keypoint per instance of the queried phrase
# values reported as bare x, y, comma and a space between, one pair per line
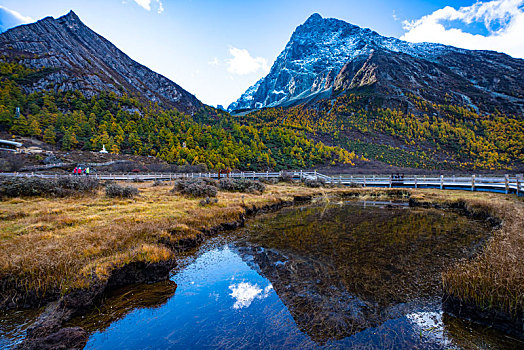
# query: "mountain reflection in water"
355, 267
334, 276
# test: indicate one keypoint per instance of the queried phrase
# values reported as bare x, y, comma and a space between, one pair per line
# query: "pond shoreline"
48, 331
491, 315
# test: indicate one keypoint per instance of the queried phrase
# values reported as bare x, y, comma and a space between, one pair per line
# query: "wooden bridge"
502, 184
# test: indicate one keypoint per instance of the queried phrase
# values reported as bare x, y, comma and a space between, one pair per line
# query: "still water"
339, 275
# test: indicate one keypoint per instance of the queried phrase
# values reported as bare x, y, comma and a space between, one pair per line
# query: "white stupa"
103, 150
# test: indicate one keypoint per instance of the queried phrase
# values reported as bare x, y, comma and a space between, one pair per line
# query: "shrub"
180, 184
124, 166
77, 184
228, 184
268, 180
314, 182
196, 187
171, 168
241, 185
199, 189
35, 186
208, 181
286, 177
198, 168
205, 187
115, 190
11, 161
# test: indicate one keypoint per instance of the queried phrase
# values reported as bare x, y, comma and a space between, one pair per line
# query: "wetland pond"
336, 275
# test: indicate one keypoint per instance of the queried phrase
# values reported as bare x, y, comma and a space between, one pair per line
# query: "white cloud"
503, 19
160, 6
394, 15
214, 62
146, 4
245, 293
243, 63
11, 18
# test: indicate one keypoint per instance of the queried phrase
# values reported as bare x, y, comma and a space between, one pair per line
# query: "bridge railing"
506, 184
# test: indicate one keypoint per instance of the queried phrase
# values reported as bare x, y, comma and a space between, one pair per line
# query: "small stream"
337, 275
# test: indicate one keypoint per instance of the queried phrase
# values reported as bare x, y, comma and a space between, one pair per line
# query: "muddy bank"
13, 296
48, 332
491, 317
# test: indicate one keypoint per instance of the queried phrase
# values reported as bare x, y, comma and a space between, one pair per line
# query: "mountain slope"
391, 75
77, 58
324, 56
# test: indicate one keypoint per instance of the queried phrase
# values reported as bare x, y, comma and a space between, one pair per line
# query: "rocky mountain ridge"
327, 56
77, 58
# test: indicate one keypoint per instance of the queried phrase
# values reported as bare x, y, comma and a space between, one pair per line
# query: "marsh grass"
53, 245
494, 278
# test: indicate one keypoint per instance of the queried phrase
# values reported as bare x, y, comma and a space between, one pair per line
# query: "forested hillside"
438, 136
123, 124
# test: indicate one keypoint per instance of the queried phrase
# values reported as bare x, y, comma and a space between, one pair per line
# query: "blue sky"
217, 49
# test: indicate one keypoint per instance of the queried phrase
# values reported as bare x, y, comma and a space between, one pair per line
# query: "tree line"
126, 124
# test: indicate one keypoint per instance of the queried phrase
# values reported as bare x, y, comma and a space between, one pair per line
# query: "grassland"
54, 245
58, 245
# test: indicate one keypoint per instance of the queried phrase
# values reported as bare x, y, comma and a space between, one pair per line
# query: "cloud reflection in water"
245, 293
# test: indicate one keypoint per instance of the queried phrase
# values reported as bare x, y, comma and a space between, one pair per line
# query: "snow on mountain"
318, 50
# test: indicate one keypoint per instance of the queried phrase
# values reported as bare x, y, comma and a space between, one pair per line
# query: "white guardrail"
504, 184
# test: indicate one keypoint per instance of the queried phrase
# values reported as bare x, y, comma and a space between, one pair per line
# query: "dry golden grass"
56, 244
495, 277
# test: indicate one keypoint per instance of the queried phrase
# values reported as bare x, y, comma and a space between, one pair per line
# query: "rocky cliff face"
327, 56
79, 58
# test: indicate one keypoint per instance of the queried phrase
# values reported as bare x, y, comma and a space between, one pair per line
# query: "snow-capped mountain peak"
317, 51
